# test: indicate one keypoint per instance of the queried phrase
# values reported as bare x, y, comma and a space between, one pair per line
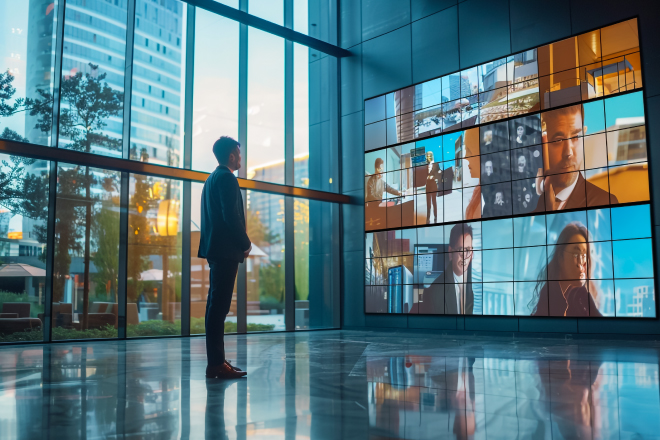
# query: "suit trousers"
223, 276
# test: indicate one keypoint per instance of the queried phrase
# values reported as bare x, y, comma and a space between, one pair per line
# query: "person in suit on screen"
459, 297
433, 177
224, 243
560, 182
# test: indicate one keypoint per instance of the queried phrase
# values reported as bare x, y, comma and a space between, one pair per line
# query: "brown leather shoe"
232, 367
223, 371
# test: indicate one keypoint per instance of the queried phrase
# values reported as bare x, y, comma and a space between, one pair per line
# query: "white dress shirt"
458, 282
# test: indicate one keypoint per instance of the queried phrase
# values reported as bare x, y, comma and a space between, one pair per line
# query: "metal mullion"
189, 85
50, 251
128, 80
52, 177
241, 277
289, 241
187, 163
185, 260
122, 270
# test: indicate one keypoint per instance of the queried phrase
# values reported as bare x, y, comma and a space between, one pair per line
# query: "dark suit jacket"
584, 195
223, 234
436, 177
451, 306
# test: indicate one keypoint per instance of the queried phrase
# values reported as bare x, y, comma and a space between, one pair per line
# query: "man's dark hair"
458, 231
378, 163
223, 147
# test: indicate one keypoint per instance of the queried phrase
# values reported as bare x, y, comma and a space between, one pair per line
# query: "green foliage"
271, 283
147, 328
11, 297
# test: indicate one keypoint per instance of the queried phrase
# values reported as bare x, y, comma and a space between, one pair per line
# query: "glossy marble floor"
334, 385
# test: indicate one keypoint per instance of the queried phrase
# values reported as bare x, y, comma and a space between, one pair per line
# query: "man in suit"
459, 297
433, 177
224, 243
561, 183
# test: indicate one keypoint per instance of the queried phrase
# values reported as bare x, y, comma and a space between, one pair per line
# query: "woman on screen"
566, 290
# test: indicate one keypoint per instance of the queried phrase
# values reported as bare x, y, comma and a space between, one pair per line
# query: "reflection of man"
376, 186
499, 198
522, 162
563, 186
459, 298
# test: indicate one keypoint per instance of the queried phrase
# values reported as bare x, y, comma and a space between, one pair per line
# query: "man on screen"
560, 181
459, 298
376, 185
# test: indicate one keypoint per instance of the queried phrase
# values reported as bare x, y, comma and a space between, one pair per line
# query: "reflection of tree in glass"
7, 91
139, 236
106, 241
271, 275
86, 104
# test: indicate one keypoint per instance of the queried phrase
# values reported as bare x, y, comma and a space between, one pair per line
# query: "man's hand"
247, 253
551, 203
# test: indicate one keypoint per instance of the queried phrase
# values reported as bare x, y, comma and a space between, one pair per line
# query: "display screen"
498, 200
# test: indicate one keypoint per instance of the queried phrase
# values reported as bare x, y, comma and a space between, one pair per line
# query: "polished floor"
334, 385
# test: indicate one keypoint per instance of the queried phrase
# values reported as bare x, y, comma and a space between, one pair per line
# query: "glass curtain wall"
93, 245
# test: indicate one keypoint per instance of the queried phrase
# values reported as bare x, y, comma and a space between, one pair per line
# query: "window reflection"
265, 265
26, 62
86, 266
23, 215
154, 256
265, 149
158, 83
92, 97
215, 100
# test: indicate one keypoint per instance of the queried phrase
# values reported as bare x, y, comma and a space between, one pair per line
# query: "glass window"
215, 90
200, 273
27, 58
314, 140
85, 292
93, 64
265, 149
159, 85
265, 265
315, 272
271, 10
23, 215
154, 257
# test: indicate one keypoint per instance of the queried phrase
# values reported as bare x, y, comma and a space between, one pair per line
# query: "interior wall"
397, 43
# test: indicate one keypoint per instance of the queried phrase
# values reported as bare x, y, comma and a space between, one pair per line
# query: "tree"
106, 233
86, 104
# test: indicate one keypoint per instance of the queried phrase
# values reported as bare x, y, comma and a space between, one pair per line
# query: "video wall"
528, 194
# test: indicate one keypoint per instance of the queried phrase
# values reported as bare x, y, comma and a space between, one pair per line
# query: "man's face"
520, 131
499, 198
235, 159
565, 148
429, 156
379, 171
489, 167
461, 255
521, 163
488, 137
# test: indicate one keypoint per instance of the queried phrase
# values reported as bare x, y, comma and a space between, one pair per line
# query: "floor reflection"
334, 385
